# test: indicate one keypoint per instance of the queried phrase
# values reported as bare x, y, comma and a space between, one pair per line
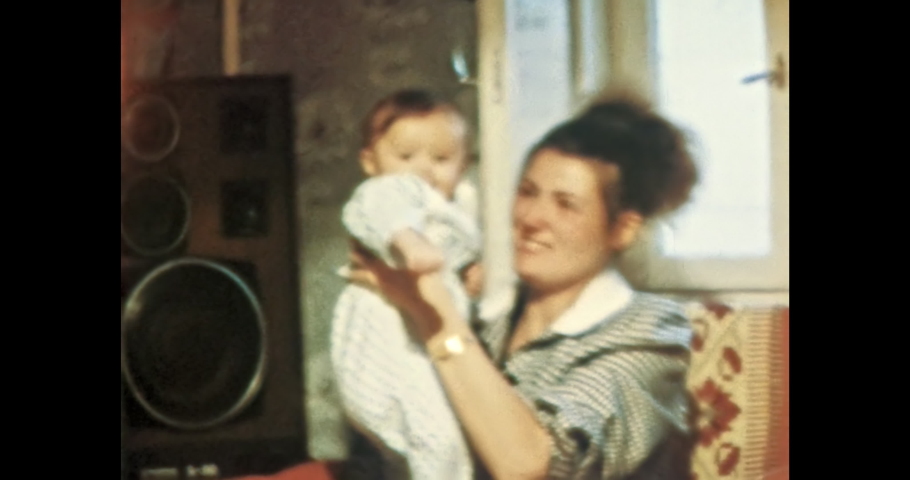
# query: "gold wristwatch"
452, 346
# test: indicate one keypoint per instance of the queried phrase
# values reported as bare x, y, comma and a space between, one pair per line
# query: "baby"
407, 214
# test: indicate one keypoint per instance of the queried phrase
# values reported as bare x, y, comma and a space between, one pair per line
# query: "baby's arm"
415, 252
386, 215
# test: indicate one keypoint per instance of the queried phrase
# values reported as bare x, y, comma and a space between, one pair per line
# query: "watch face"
450, 347
455, 345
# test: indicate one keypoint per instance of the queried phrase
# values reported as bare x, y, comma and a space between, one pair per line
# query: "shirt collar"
606, 295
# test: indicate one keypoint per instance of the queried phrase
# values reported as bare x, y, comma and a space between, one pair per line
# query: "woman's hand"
422, 297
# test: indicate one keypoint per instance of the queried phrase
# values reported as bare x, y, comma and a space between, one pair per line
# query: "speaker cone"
154, 215
150, 128
193, 346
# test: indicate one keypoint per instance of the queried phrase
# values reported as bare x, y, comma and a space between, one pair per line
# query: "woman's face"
562, 232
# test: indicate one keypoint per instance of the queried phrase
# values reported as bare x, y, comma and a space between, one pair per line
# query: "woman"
578, 377
572, 375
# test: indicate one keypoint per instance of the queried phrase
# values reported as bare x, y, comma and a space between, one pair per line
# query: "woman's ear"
368, 162
625, 230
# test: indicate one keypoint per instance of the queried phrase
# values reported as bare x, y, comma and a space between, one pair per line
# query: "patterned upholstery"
740, 381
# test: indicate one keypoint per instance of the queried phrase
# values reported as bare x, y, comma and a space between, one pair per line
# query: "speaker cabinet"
211, 360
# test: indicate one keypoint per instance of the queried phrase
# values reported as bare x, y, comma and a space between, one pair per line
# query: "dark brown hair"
656, 171
403, 103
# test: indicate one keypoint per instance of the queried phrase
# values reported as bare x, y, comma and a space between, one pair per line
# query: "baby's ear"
368, 162
468, 161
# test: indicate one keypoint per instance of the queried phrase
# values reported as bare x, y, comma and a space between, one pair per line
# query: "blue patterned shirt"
608, 381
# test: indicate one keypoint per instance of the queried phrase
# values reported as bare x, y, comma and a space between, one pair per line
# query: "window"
711, 68
703, 50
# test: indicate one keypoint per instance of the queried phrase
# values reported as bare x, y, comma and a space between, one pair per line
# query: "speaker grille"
150, 128
154, 215
193, 344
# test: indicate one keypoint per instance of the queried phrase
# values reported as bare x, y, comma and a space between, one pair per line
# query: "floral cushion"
740, 382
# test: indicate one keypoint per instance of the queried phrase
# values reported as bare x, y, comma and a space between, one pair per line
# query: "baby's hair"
657, 172
401, 104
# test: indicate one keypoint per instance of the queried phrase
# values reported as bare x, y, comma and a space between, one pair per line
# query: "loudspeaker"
211, 358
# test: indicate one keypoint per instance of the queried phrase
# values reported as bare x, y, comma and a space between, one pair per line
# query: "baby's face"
431, 146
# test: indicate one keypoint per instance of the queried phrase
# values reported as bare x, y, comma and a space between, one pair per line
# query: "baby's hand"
472, 277
416, 253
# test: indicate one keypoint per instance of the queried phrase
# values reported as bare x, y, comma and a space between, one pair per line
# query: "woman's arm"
500, 425
502, 428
